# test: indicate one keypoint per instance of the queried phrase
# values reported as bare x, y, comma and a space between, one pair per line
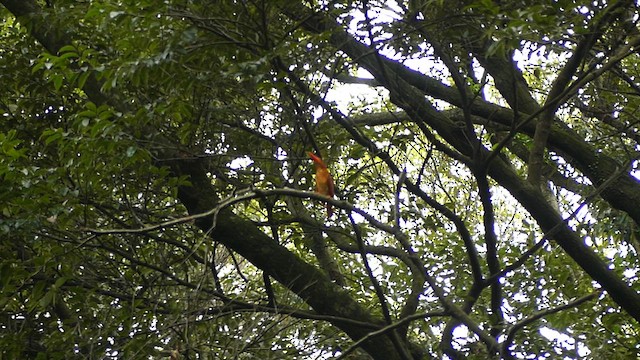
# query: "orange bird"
324, 181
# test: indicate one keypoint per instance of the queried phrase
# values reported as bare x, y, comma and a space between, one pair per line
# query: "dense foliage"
156, 197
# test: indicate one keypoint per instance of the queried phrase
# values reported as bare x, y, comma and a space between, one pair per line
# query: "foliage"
155, 193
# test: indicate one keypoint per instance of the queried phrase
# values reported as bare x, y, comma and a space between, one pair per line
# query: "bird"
324, 181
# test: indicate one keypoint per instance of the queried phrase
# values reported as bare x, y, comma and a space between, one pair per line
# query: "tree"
157, 198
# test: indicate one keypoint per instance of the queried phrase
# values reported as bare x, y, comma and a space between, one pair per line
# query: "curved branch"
511, 333
395, 338
400, 323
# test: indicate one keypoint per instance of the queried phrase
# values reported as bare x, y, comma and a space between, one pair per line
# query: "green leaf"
57, 81
131, 151
67, 49
82, 79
